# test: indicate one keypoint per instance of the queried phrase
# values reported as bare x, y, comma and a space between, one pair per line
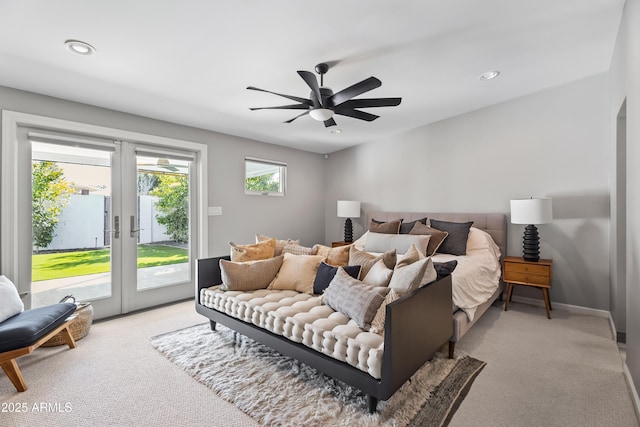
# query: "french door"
125, 220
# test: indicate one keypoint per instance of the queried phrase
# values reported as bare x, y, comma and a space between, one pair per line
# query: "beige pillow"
279, 243
377, 324
338, 257
356, 300
378, 275
250, 275
437, 236
297, 273
296, 249
366, 260
391, 227
408, 275
381, 242
254, 252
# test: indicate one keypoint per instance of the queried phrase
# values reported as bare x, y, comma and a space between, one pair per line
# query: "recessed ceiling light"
489, 75
336, 131
80, 47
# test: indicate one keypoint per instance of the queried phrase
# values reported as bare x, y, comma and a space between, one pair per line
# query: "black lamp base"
531, 244
348, 230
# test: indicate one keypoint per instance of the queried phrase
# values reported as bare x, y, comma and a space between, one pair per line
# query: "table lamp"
531, 211
348, 209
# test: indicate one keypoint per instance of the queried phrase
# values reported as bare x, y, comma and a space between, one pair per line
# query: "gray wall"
625, 69
551, 143
298, 215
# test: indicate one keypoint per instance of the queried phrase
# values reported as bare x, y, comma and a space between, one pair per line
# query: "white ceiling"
190, 61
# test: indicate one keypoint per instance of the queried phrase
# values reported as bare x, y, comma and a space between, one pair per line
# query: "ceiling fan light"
321, 114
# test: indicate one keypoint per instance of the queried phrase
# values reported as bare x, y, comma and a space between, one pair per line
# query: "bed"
466, 311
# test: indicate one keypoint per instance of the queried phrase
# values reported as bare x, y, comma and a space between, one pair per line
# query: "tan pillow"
297, 273
279, 243
391, 227
437, 236
366, 260
378, 275
338, 257
408, 277
296, 249
254, 252
377, 324
250, 275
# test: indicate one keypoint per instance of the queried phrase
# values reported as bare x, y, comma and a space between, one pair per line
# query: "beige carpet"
560, 372
246, 373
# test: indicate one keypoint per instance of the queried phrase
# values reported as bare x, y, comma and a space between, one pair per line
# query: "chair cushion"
26, 328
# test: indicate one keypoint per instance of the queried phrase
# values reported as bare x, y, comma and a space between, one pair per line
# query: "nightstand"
337, 244
517, 271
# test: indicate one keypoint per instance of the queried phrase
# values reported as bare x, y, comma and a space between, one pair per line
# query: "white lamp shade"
531, 211
348, 209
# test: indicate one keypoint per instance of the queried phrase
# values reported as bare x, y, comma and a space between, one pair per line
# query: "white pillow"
10, 302
380, 242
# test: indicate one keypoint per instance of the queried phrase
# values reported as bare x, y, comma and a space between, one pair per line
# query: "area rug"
276, 390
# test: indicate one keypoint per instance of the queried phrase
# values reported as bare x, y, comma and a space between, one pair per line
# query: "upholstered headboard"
493, 223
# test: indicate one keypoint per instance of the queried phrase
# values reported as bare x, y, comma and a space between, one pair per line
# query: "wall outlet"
215, 210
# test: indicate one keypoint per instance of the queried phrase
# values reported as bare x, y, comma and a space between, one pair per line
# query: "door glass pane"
163, 221
71, 206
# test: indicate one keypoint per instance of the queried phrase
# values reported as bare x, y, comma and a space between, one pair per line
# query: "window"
265, 177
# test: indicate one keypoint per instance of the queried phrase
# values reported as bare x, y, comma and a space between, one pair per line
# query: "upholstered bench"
26, 331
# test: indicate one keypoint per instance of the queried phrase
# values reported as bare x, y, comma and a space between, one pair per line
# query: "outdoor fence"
85, 222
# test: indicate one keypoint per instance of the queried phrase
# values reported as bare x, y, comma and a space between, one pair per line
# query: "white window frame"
267, 163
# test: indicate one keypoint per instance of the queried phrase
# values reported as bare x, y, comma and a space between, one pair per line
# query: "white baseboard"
633, 389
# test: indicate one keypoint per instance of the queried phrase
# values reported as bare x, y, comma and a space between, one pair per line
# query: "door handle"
133, 228
116, 227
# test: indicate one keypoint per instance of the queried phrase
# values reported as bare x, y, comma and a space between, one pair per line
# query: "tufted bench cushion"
302, 318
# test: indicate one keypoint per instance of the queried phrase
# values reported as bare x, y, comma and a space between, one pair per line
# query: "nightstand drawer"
524, 277
529, 268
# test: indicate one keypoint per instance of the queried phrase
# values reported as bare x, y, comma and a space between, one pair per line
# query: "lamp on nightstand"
531, 211
348, 209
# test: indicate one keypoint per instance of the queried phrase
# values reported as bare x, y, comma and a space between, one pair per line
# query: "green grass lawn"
80, 263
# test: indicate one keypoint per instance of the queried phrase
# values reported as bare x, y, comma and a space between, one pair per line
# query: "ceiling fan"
164, 163
322, 103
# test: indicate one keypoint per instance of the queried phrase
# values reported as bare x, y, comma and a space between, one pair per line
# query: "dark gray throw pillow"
444, 269
456, 241
406, 227
325, 274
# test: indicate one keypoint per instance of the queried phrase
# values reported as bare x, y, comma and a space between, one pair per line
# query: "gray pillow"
354, 299
456, 241
250, 275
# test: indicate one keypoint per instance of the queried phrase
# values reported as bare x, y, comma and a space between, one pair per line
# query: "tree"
173, 194
263, 183
50, 195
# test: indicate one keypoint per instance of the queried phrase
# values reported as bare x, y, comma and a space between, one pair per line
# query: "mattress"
304, 319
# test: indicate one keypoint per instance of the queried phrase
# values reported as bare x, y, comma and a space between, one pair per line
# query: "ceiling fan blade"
369, 102
356, 114
299, 115
353, 91
329, 123
283, 107
312, 82
293, 98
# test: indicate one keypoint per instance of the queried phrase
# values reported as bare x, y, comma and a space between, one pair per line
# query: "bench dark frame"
416, 326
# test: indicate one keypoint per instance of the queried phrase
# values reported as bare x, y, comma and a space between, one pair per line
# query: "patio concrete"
93, 286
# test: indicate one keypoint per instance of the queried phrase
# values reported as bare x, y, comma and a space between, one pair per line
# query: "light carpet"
276, 390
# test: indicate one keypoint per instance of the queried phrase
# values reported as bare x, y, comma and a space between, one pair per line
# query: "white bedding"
477, 275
